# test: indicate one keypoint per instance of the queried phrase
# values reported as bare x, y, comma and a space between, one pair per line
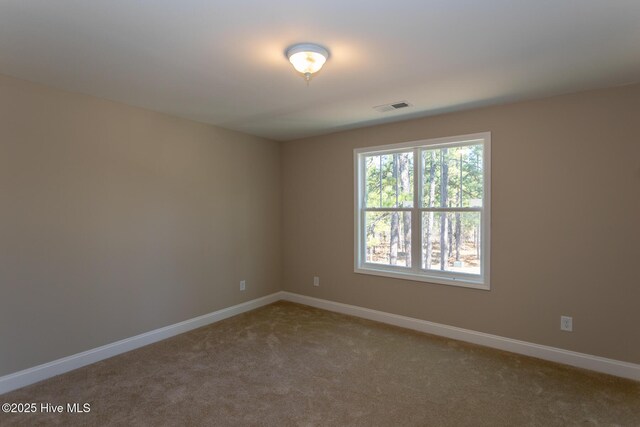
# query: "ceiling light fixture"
307, 58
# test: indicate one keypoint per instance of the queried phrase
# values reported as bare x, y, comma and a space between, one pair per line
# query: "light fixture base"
307, 58
306, 47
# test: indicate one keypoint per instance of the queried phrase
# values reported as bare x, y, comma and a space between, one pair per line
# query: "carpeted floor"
292, 365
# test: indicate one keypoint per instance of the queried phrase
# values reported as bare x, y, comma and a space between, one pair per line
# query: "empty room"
337, 213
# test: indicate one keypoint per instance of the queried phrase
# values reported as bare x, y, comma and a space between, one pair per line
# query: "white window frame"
416, 272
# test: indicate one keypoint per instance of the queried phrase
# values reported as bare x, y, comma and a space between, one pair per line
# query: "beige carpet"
292, 365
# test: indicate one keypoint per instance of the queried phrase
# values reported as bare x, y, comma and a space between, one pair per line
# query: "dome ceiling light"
307, 58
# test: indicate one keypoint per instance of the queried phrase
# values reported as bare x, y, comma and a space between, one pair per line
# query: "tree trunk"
393, 255
406, 228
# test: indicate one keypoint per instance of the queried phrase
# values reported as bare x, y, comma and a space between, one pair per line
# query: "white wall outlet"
566, 323
316, 281
243, 285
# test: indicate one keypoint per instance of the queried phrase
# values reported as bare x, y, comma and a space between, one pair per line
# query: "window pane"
388, 238
452, 177
457, 235
389, 180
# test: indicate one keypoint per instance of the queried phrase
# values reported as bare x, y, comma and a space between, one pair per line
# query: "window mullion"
363, 236
362, 214
416, 232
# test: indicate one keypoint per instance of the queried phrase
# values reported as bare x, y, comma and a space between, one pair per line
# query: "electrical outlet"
243, 285
316, 281
566, 323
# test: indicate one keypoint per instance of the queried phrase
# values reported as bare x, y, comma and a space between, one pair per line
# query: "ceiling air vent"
385, 108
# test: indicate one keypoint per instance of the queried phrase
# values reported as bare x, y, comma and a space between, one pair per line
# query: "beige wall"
565, 223
115, 221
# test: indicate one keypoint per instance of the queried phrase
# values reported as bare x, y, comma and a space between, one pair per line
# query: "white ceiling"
222, 62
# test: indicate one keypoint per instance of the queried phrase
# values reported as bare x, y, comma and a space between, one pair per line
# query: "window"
422, 210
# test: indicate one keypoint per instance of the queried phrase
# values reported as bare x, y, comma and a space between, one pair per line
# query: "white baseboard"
580, 360
41, 372
595, 363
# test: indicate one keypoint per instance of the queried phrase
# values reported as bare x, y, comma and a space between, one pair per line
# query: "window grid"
417, 271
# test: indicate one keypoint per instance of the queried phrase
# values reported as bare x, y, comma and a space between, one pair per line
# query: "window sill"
436, 279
